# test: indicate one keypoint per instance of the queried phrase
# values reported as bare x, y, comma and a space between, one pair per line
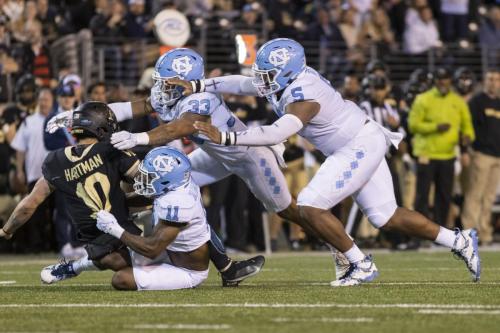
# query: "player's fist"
60, 120
188, 87
106, 222
208, 130
126, 140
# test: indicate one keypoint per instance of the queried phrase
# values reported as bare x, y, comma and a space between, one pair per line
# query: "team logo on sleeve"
279, 57
164, 163
182, 65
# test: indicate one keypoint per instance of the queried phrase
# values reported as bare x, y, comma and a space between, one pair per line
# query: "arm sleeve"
275, 133
122, 110
466, 126
416, 120
231, 84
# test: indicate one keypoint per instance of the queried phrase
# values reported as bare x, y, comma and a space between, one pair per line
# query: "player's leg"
207, 170
341, 175
157, 277
103, 252
376, 200
261, 173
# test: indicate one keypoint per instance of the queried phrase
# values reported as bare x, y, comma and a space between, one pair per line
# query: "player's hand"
125, 140
443, 127
106, 222
208, 130
465, 160
61, 120
5, 235
188, 89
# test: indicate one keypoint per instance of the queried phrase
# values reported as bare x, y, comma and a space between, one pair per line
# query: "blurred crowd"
448, 166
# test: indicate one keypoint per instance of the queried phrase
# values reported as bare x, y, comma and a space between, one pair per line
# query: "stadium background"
72, 47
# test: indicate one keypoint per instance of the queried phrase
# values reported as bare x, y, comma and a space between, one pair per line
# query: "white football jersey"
210, 104
338, 120
184, 205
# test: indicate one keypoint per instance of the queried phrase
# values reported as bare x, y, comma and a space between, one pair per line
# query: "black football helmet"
94, 119
464, 80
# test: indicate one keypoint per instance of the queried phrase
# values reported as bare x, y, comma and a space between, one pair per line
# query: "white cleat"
58, 272
360, 272
465, 247
341, 265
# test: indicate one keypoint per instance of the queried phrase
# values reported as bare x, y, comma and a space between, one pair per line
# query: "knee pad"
380, 215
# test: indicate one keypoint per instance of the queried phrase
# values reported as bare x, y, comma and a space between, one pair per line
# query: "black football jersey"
89, 177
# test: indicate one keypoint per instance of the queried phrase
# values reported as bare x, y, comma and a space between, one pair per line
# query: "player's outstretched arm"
151, 246
298, 114
230, 84
26, 208
122, 110
162, 134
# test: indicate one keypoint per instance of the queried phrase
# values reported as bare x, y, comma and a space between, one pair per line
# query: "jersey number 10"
88, 192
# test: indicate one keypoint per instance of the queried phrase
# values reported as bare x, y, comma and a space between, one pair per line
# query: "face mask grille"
265, 81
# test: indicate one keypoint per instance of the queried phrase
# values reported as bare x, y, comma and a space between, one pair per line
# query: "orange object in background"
246, 45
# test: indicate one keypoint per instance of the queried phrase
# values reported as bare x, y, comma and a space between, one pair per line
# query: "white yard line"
66, 285
258, 305
458, 312
408, 283
323, 320
7, 282
182, 326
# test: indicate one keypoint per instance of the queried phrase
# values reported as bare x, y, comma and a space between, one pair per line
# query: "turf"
415, 292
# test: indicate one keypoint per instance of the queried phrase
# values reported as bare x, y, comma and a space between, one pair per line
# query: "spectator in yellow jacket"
440, 121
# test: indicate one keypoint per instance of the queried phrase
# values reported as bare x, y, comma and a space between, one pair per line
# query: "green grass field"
415, 292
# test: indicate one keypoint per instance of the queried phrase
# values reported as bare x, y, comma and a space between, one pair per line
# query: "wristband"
193, 86
142, 138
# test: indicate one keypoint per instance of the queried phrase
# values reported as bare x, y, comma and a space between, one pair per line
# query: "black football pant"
441, 174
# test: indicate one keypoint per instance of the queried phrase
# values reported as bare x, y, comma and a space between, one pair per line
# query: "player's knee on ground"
379, 216
124, 280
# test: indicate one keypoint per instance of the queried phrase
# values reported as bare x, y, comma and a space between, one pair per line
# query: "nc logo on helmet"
182, 65
164, 163
279, 57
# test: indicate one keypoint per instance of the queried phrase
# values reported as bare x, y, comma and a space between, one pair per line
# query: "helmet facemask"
164, 94
143, 182
264, 80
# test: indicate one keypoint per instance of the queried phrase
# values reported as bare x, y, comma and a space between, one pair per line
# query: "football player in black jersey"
89, 175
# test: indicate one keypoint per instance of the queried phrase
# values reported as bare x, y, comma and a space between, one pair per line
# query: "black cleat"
240, 270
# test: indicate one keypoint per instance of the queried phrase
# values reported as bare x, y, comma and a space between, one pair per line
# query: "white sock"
84, 264
354, 254
446, 237
333, 250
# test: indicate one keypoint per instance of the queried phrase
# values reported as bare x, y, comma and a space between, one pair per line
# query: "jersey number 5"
200, 107
96, 198
297, 94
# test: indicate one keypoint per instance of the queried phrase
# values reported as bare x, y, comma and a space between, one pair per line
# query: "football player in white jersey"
354, 145
175, 255
257, 166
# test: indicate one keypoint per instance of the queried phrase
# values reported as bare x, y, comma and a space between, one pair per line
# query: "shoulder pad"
175, 207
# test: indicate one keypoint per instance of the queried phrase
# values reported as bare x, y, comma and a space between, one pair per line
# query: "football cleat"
359, 272
241, 270
467, 250
58, 272
341, 265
